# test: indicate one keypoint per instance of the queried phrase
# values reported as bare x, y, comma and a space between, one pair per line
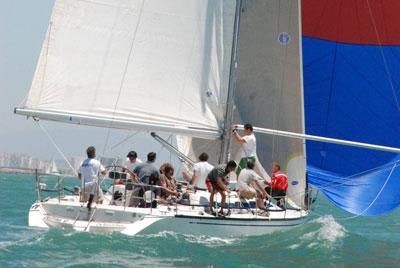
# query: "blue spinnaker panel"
370, 193
352, 92
348, 95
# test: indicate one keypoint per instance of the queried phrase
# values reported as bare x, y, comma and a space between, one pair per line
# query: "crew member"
147, 174
131, 161
278, 186
89, 172
169, 192
217, 182
200, 171
248, 144
249, 187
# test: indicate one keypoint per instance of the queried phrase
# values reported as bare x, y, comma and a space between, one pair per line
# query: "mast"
226, 134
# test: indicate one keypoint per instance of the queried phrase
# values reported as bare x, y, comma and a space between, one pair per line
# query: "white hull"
69, 213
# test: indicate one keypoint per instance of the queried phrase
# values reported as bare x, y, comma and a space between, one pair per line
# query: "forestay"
131, 64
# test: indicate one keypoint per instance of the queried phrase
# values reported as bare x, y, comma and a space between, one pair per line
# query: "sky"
23, 24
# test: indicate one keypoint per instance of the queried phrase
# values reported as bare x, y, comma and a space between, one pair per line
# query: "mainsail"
149, 65
351, 77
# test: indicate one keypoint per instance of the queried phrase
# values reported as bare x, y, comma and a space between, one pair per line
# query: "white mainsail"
269, 89
147, 64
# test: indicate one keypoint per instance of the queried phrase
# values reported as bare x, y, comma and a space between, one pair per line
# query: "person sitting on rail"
249, 187
278, 186
217, 182
169, 191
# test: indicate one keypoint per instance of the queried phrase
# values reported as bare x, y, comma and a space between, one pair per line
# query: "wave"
328, 233
208, 241
17, 235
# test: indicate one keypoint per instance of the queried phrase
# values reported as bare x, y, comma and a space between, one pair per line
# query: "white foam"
209, 240
163, 234
24, 236
327, 235
194, 239
330, 230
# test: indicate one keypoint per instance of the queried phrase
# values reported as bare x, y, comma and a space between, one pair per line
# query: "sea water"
329, 239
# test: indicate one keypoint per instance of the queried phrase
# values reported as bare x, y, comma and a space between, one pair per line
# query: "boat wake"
208, 241
16, 235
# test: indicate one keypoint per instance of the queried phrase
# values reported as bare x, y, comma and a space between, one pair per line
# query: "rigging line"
382, 168
124, 140
384, 58
124, 74
376, 197
342, 181
56, 146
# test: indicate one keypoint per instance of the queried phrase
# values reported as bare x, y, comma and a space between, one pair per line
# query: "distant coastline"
19, 170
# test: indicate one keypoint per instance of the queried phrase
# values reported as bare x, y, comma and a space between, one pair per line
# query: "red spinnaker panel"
370, 22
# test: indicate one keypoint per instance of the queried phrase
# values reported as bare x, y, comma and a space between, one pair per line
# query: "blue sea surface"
328, 239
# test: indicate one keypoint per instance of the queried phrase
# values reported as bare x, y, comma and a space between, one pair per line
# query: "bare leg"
260, 203
212, 200
223, 198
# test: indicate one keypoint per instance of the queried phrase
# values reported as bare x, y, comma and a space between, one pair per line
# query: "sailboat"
190, 68
51, 168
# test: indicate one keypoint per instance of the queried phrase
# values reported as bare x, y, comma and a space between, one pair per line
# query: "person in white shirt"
249, 187
131, 161
249, 146
200, 172
89, 172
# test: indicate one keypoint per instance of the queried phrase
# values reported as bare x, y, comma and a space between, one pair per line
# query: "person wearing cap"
131, 161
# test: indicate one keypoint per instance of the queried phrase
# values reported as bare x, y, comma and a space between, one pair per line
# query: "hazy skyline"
23, 24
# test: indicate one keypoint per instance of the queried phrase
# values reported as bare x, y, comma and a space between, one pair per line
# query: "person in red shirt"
278, 186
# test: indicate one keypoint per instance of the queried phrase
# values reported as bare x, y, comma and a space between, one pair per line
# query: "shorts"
212, 186
91, 188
